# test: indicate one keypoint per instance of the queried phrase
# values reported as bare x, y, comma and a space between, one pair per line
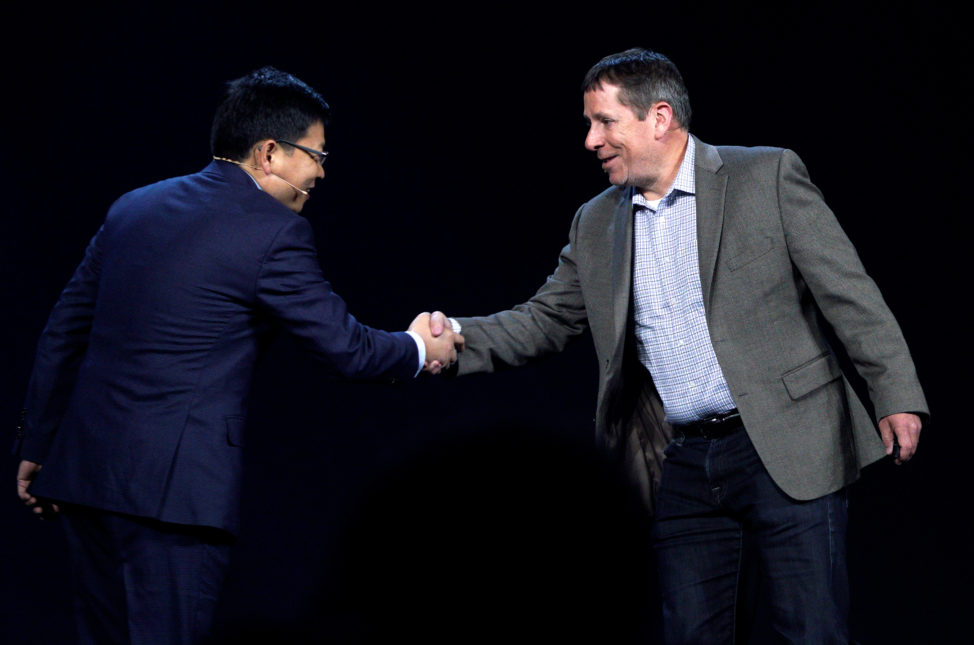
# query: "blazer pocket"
812, 375
758, 250
235, 430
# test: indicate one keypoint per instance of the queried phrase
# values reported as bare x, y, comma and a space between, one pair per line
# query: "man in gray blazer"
707, 276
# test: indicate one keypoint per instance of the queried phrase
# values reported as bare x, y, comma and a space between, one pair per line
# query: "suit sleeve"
60, 350
846, 295
291, 288
542, 325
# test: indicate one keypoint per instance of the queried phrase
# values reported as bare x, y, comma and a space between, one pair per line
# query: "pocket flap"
759, 249
811, 376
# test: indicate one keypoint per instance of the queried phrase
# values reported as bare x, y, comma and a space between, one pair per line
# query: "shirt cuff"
421, 346
455, 325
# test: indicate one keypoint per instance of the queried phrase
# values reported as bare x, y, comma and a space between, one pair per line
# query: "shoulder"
716, 156
738, 157
605, 205
747, 163
750, 154
214, 207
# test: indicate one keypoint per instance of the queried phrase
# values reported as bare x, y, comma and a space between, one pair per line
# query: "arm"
853, 305
291, 288
542, 325
60, 350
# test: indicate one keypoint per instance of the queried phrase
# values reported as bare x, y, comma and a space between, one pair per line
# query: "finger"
23, 494
886, 433
459, 343
906, 427
908, 445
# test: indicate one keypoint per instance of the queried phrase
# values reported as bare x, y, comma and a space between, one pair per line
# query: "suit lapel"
710, 188
621, 236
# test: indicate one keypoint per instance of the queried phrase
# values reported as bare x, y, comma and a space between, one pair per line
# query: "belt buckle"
716, 426
704, 430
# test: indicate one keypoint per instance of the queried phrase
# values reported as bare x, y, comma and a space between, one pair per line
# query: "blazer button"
20, 425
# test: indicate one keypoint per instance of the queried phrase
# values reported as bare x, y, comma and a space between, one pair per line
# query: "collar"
225, 163
685, 181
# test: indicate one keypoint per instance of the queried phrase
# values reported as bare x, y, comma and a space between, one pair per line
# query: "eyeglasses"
318, 155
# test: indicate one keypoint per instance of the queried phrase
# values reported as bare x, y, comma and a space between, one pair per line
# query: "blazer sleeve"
291, 288
60, 350
542, 325
846, 295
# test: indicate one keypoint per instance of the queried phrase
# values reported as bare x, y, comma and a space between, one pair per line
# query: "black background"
474, 508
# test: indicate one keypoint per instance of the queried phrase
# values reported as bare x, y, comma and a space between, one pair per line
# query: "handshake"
442, 343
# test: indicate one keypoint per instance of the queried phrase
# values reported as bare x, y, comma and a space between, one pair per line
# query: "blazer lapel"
621, 265
710, 213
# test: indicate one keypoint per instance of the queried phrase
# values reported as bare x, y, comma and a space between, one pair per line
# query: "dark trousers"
713, 494
143, 581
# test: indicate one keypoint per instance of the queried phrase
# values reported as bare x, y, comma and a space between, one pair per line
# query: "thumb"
438, 322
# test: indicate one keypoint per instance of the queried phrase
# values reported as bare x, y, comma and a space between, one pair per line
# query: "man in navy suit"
137, 399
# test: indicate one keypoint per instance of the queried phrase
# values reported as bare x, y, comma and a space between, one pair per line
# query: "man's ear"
662, 115
265, 152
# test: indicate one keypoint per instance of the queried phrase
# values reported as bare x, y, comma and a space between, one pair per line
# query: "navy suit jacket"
137, 399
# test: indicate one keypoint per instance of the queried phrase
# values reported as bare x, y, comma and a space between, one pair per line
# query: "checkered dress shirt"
671, 325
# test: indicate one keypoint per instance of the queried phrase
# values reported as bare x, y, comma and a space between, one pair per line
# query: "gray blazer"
773, 262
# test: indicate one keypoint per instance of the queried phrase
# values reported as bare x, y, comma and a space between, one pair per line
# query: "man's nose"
593, 140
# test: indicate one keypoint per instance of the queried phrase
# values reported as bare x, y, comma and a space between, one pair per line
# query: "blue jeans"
713, 493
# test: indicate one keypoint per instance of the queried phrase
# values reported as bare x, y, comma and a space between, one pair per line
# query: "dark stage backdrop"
475, 508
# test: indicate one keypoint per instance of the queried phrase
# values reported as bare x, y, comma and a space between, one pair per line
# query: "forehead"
314, 136
602, 100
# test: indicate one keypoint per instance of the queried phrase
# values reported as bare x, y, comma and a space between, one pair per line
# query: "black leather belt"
712, 427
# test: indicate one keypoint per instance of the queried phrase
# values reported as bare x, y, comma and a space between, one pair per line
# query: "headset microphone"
303, 192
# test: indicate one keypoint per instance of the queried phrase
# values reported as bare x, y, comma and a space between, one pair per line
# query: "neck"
256, 174
675, 142
247, 168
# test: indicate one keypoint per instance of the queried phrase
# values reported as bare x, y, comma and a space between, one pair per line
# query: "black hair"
644, 77
265, 104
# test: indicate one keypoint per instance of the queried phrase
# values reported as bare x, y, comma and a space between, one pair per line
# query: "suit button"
20, 426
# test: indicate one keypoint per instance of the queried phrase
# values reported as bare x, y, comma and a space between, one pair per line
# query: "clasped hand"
442, 343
